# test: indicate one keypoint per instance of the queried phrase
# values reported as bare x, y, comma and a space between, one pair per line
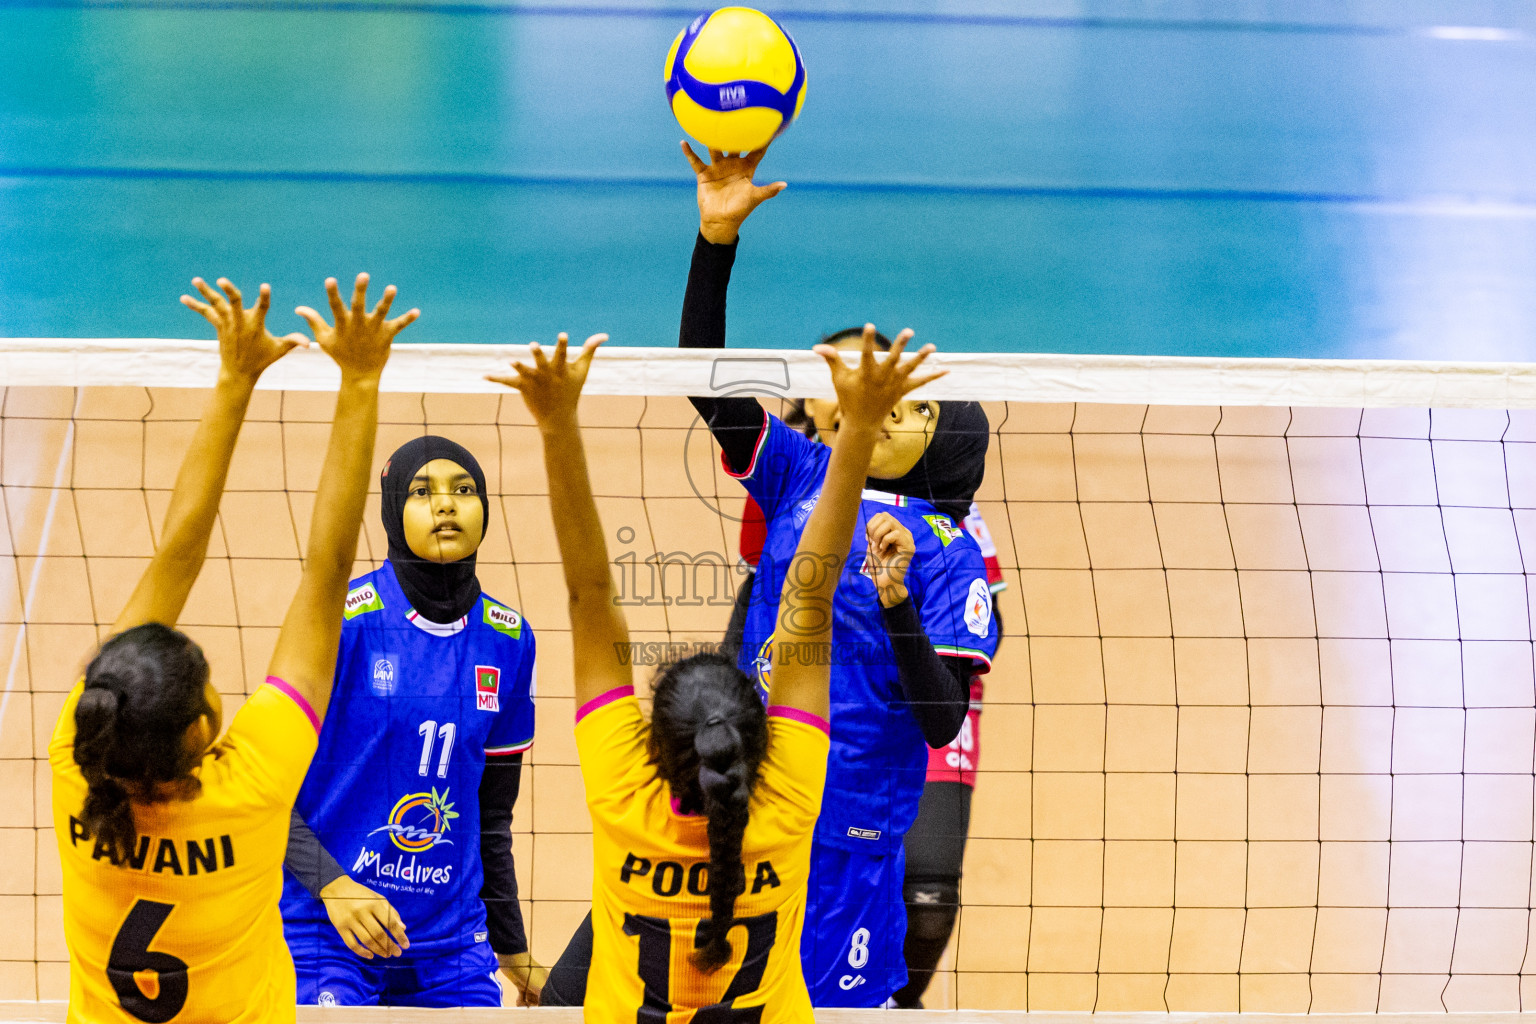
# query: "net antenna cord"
975, 376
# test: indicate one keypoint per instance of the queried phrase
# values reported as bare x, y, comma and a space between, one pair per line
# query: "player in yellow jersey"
702, 816
172, 836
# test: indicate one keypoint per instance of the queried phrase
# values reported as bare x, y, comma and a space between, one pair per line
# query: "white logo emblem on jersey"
383, 677
804, 509
978, 608
326, 999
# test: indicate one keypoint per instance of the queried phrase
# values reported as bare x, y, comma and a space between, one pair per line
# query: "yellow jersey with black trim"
187, 927
650, 877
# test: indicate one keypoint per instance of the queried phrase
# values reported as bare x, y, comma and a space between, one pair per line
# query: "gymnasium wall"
1266, 177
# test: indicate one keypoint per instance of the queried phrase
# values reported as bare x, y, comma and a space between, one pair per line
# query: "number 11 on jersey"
430, 733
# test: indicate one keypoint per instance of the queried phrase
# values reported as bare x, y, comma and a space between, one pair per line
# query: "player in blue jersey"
400, 887
903, 657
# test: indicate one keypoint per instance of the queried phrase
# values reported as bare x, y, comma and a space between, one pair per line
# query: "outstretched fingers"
202, 308
402, 321
509, 380
911, 380
360, 296
382, 309
763, 193
540, 360
218, 303
832, 358
699, 166
905, 368
236, 300
316, 322
867, 349
588, 350
333, 294
900, 344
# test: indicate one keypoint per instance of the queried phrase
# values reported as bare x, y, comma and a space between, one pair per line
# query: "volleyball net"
1259, 734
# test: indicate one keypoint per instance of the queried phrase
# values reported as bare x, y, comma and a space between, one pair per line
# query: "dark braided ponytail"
709, 733
143, 690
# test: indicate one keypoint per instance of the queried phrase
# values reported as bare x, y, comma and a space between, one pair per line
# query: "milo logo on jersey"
417, 823
943, 528
502, 619
363, 599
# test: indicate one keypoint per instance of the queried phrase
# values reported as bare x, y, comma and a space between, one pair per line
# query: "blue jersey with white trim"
879, 760
393, 791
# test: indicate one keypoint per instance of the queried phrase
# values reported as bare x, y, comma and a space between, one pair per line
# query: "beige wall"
1259, 733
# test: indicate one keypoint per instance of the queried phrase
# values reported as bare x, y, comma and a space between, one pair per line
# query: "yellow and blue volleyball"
735, 79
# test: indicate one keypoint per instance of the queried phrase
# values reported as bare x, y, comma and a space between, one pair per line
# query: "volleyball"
735, 79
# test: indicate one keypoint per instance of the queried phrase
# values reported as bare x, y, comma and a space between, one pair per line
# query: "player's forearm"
503, 913
305, 657
163, 589
813, 577
735, 421
339, 501
307, 860
204, 470
937, 688
709, 277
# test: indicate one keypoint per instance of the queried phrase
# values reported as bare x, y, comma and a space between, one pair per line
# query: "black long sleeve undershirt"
312, 864
937, 687
499, 787
737, 421
308, 861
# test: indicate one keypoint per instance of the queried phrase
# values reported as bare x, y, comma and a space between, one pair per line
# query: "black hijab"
950, 470
440, 591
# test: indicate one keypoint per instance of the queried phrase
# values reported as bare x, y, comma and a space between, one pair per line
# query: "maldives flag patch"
487, 688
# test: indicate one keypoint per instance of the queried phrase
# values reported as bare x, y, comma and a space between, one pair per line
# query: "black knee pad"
931, 908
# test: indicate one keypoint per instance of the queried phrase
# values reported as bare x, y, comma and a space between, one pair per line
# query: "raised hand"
552, 385
246, 347
360, 340
866, 393
890, 546
726, 192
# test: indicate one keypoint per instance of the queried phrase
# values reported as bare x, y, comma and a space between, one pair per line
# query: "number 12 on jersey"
655, 968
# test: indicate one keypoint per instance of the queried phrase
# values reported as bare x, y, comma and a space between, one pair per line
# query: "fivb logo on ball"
735, 79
